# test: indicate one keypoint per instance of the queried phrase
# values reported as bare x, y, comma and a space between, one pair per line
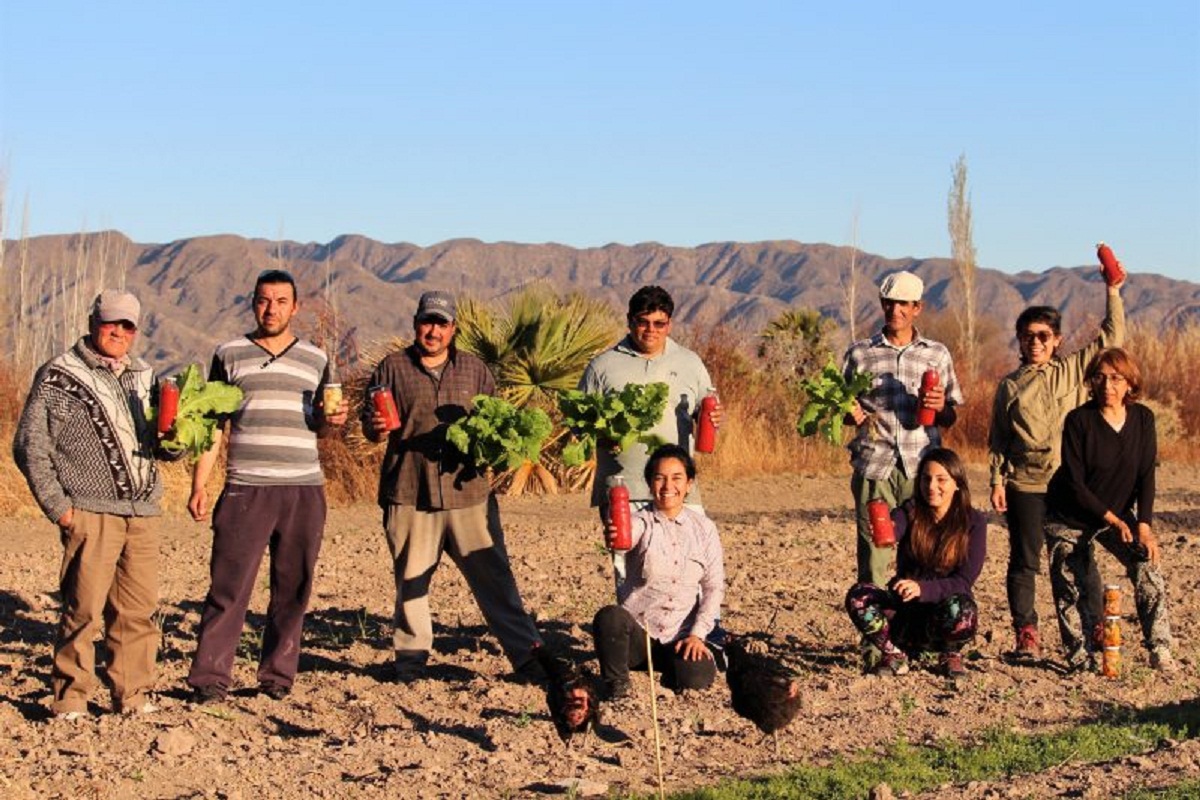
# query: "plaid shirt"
893, 437
420, 468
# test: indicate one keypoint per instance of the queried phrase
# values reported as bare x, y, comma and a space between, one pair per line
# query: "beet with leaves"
570, 694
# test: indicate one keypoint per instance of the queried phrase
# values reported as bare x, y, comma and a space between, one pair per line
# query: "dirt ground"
469, 731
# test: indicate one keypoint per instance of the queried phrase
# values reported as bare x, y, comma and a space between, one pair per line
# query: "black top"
1104, 469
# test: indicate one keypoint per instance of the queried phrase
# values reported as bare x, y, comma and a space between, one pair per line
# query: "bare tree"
962, 250
849, 280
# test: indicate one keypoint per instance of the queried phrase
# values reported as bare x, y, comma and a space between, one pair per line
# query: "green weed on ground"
995, 754
1187, 790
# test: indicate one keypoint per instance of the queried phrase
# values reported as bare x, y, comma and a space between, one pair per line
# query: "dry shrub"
758, 430
1172, 385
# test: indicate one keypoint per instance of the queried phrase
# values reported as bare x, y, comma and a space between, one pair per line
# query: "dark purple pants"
287, 520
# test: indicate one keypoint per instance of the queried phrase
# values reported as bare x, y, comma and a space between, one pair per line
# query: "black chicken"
762, 689
570, 695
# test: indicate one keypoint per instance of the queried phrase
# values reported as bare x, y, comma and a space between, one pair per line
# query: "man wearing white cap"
889, 441
87, 451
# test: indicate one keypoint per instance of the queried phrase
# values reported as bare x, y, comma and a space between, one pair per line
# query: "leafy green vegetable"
200, 402
498, 434
621, 417
830, 398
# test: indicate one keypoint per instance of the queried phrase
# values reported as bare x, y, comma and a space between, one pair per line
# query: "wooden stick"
654, 712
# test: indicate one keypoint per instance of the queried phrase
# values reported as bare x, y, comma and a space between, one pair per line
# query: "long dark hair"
940, 545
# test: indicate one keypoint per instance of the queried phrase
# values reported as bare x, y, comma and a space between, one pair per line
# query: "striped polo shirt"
272, 437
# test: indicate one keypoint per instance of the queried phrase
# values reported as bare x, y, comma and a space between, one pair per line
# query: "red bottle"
930, 380
385, 406
706, 431
883, 532
620, 514
1114, 273
168, 404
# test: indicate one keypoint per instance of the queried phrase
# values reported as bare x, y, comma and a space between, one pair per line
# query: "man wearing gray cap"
434, 498
87, 449
889, 442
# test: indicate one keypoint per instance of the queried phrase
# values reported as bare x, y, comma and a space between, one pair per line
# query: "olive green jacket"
1032, 402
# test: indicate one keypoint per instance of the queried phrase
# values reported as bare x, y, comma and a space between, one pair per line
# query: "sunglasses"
641, 323
1042, 336
1101, 378
123, 324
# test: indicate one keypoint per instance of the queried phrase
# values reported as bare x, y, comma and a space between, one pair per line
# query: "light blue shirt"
676, 366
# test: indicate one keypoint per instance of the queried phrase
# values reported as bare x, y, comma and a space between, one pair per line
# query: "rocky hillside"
195, 290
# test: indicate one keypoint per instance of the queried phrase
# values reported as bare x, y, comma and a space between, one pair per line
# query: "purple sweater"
936, 588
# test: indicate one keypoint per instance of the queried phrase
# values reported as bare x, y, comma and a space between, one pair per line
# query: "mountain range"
195, 291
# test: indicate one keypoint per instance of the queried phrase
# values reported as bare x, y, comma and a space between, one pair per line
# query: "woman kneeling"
673, 589
928, 605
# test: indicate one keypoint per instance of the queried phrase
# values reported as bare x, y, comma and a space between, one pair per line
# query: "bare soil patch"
469, 730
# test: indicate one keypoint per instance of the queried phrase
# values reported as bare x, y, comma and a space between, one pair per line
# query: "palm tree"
537, 346
540, 344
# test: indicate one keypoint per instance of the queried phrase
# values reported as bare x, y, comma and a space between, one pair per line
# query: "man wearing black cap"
434, 498
87, 451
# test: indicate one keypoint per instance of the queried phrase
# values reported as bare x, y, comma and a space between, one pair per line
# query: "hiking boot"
951, 665
891, 666
1162, 660
617, 690
1029, 645
275, 691
205, 695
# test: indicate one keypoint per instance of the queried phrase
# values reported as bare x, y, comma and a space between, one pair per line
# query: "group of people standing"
1071, 463
88, 449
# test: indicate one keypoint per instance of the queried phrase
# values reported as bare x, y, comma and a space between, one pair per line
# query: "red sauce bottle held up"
706, 431
620, 515
1114, 273
930, 380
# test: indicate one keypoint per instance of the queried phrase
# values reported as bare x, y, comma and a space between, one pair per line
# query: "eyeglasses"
123, 324
1042, 336
641, 323
1102, 378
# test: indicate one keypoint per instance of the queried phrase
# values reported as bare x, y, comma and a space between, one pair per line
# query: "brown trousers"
475, 541
109, 576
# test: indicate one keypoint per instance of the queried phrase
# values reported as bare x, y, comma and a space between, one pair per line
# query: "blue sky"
588, 123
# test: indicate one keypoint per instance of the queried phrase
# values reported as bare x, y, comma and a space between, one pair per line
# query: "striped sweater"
83, 440
272, 438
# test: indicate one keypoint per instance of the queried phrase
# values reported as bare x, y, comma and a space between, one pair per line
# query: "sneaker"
205, 695
951, 665
891, 666
871, 657
1162, 660
1082, 661
617, 690
275, 691
410, 666
70, 716
1029, 645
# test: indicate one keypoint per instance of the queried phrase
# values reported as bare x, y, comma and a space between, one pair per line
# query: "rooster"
762, 689
570, 695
